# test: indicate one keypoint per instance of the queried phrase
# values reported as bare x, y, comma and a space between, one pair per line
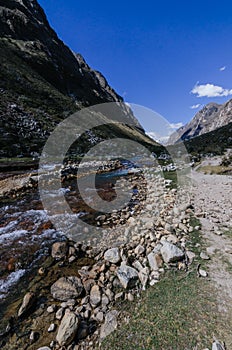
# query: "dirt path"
213, 206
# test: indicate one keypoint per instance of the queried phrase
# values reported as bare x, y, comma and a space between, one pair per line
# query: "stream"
26, 233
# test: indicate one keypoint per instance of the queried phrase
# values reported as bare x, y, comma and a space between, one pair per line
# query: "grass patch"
179, 313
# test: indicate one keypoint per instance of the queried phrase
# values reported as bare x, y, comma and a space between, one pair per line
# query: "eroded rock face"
68, 329
67, 288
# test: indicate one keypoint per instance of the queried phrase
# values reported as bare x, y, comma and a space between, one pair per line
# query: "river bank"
138, 240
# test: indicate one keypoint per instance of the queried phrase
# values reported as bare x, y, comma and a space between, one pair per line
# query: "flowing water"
26, 233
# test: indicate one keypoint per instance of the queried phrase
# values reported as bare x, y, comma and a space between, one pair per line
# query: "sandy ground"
213, 206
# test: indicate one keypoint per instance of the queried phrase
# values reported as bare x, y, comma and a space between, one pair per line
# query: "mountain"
42, 82
213, 116
213, 142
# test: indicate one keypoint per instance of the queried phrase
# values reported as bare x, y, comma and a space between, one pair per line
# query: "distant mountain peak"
211, 117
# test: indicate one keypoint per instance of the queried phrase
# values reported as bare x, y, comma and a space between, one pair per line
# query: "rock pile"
84, 306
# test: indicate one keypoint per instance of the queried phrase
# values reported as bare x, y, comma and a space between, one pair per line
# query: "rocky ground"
213, 205
73, 302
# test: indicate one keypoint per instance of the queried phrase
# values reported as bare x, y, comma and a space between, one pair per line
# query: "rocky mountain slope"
213, 116
42, 81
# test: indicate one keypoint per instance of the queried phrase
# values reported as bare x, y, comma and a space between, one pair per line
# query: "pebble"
52, 328
202, 273
95, 296
204, 256
28, 302
130, 297
59, 313
51, 309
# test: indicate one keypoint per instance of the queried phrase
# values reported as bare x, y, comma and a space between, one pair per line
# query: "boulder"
112, 255
127, 276
171, 253
59, 250
68, 329
110, 324
67, 288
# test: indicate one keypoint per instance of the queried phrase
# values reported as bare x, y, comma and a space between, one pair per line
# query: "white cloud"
195, 106
175, 126
210, 90
222, 68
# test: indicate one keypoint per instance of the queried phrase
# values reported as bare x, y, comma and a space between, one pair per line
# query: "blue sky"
153, 53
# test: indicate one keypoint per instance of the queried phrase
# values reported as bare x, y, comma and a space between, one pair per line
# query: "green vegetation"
177, 313
214, 142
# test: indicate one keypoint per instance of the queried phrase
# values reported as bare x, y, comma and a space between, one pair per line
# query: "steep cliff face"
24, 24
41, 80
210, 118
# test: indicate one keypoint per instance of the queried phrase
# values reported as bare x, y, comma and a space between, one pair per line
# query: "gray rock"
217, 345
95, 296
105, 300
112, 255
202, 273
110, 324
171, 253
100, 316
190, 255
44, 348
137, 265
68, 329
127, 276
130, 297
51, 309
152, 261
67, 288
59, 250
59, 313
204, 256
139, 249
28, 302
143, 276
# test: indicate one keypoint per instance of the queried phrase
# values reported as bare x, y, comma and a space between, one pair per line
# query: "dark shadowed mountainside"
42, 82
